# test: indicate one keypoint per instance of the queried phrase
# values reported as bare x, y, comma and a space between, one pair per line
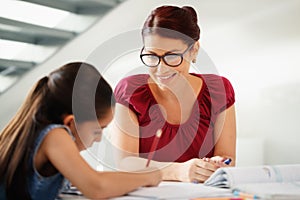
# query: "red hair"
173, 22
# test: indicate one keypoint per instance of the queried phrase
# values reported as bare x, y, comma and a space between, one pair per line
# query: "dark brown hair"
50, 99
173, 22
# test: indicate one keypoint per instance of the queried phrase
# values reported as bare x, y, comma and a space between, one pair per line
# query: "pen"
154, 145
227, 161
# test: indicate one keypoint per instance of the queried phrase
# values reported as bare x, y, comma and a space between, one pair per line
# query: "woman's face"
164, 75
91, 131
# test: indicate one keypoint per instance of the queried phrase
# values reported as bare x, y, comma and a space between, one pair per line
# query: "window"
33, 30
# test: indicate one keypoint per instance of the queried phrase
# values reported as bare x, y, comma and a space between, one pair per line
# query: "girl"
64, 113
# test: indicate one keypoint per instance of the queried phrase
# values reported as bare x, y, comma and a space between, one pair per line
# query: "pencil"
154, 145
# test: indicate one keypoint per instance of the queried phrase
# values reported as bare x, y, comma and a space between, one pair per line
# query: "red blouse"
178, 142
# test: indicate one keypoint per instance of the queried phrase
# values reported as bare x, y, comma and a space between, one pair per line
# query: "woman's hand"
196, 170
218, 160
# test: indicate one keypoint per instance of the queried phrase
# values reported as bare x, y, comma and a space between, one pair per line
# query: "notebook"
268, 182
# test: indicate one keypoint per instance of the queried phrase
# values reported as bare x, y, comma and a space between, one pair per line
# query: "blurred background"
255, 44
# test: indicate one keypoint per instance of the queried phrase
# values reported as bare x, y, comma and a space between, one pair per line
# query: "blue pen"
227, 161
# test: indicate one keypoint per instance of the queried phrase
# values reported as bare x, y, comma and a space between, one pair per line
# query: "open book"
179, 190
277, 181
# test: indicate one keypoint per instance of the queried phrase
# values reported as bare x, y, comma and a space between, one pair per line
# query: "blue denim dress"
40, 187
2, 192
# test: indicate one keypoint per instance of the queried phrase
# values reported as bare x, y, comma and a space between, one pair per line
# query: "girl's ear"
68, 120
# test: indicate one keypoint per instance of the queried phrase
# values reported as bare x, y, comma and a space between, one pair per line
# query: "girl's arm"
61, 151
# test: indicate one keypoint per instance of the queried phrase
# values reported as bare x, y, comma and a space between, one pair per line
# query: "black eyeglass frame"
163, 57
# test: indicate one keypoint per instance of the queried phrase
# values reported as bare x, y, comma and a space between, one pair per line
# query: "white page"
180, 190
129, 198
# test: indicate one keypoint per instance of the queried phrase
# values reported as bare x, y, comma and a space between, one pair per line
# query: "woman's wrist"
170, 172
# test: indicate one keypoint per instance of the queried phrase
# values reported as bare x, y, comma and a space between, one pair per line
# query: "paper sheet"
180, 190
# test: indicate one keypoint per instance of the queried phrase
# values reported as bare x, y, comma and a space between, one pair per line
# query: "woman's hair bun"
192, 12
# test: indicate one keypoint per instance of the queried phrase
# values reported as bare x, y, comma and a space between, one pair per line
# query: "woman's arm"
125, 133
63, 154
225, 136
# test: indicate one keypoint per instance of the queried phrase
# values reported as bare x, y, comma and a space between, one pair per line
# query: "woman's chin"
166, 82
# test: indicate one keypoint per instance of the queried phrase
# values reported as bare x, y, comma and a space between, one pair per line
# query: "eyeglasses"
170, 59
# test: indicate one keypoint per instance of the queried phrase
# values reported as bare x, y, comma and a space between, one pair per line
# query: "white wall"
255, 44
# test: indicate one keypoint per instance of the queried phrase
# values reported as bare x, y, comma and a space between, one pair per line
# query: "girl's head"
75, 83
170, 36
78, 93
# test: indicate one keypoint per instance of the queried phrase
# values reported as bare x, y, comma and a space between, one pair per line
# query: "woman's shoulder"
215, 82
219, 90
131, 85
133, 81
211, 78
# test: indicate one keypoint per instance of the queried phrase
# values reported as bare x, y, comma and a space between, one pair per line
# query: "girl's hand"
153, 174
155, 177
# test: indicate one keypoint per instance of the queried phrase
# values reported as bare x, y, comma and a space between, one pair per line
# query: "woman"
195, 112
64, 114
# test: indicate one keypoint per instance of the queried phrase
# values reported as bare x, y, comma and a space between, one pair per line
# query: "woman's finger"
210, 165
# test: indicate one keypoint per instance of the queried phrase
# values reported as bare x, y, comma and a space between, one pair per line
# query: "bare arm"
126, 138
225, 135
62, 152
125, 133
